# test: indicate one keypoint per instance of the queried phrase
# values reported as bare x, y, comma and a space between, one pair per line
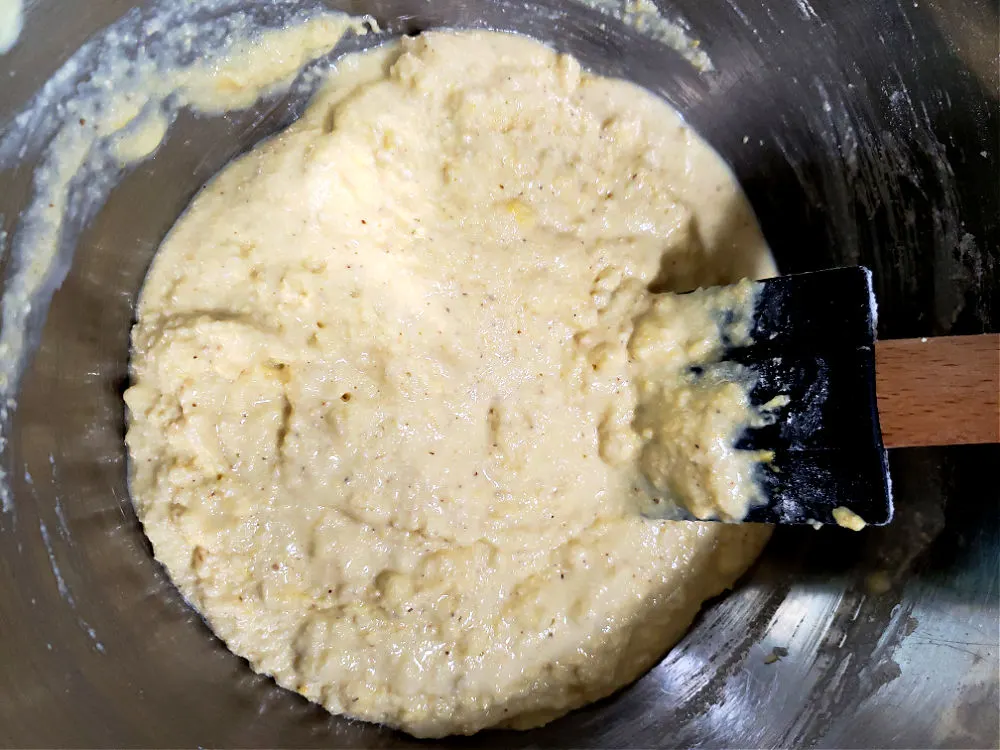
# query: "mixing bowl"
863, 131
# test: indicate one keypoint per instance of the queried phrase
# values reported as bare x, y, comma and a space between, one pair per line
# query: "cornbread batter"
402, 395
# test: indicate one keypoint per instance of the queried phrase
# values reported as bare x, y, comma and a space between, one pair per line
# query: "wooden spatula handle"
939, 391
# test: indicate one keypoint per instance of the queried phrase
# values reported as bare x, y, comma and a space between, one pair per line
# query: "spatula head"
813, 343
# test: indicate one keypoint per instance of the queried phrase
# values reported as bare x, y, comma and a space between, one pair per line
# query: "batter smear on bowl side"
402, 395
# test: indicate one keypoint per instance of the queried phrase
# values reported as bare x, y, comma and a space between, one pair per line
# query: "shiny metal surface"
863, 131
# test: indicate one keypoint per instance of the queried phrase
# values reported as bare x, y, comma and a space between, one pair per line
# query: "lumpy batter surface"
401, 390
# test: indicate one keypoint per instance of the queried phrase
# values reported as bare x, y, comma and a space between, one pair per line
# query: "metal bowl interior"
862, 132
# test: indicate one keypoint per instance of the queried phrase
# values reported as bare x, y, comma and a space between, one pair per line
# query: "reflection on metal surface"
858, 134
970, 26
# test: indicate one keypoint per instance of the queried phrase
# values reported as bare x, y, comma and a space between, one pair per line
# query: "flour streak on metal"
64, 591
806, 10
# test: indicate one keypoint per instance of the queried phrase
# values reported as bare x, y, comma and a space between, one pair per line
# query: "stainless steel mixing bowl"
862, 130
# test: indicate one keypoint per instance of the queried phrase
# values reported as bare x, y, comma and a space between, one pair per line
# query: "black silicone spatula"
813, 341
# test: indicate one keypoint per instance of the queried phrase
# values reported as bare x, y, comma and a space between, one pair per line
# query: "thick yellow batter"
401, 391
